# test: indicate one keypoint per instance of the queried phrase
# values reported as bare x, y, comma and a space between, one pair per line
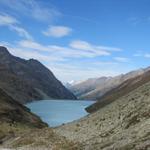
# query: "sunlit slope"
122, 124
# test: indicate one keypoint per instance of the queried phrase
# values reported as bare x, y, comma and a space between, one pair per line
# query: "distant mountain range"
71, 83
121, 90
28, 80
94, 88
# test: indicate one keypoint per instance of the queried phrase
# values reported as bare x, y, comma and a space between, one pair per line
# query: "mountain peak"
4, 51
34, 61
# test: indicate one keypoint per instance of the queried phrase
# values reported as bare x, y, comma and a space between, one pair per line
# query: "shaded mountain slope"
120, 91
13, 112
123, 124
97, 87
27, 80
20, 129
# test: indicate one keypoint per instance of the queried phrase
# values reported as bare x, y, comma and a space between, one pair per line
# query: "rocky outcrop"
27, 80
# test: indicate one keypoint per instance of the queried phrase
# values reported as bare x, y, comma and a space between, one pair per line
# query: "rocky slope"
121, 90
13, 112
27, 80
97, 87
39, 139
123, 124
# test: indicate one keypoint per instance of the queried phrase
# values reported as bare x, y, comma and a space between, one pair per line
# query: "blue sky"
78, 39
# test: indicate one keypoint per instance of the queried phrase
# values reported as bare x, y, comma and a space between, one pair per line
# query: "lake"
58, 112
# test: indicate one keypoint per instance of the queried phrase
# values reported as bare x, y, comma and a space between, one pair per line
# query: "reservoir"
58, 112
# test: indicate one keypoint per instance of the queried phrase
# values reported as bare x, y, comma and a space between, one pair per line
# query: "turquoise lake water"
57, 112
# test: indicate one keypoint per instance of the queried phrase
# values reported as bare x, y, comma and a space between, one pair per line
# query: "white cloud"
21, 31
79, 44
121, 59
28, 53
142, 54
57, 31
68, 72
64, 52
7, 20
32, 8
12, 24
95, 49
55, 52
65, 62
147, 55
33, 45
100, 63
83, 45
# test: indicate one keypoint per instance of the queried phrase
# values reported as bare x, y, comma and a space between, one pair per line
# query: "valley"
119, 119
74, 75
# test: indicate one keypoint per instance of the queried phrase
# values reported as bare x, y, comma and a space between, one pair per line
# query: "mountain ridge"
119, 91
28, 80
95, 88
